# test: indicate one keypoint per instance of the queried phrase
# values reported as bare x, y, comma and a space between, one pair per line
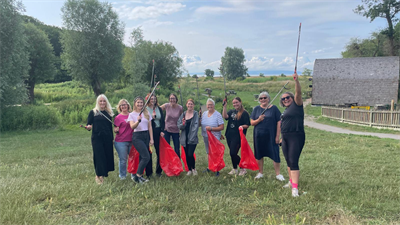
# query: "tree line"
89, 48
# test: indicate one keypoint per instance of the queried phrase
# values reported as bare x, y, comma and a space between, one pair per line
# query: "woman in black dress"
267, 128
99, 120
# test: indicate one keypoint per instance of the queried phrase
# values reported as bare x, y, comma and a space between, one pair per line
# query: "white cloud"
155, 23
149, 12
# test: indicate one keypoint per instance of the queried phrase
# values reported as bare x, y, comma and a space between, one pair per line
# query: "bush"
240, 78
29, 118
209, 78
273, 78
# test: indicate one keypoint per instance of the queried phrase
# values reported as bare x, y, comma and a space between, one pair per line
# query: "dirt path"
308, 122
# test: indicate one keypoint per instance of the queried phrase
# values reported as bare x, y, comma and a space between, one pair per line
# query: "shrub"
240, 78
29, 118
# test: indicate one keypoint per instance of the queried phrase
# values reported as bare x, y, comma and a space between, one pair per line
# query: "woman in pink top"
172, 113
123, 137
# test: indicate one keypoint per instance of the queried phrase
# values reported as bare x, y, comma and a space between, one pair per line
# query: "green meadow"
47, 175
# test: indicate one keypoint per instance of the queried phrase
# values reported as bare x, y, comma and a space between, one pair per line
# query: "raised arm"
297, 95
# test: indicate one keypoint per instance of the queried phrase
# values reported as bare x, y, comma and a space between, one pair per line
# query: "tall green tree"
41, 58
14, 62
92, 42
232, 63
138, 61
306, 72
386, 9
209, 73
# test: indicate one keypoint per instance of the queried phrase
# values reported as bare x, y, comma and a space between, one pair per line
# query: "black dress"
102, 143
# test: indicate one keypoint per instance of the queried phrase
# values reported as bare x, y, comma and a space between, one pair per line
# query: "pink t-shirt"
172, 115
125, 130
143, 125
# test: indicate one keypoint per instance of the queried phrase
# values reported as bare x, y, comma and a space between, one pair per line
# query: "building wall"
367, 81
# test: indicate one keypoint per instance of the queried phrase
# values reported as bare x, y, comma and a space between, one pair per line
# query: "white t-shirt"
213, 121
143, 125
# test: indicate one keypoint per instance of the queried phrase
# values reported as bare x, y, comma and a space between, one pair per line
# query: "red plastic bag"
133, 160
247, 161
183, 157
215, 153
169, 160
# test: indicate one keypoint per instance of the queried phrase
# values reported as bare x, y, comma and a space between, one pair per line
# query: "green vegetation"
48, 178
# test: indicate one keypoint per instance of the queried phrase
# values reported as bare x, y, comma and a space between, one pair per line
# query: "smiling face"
286, 99
139, 104
172, 99
190, 105
153, 100
264, 100
236, 104
124, 107
210, 106
102, 104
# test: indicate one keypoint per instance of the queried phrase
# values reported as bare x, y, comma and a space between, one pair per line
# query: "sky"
266, 30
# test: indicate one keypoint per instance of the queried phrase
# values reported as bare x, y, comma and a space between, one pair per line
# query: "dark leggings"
156, 137
189, 151
141, 142
292, 145
234, 146
175, 139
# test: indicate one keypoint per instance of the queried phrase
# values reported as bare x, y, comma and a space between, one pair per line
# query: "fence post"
342, 115
370, 118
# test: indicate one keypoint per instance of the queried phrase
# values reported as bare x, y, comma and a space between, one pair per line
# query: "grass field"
47, 177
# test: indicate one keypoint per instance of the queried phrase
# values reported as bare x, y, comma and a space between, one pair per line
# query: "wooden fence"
383, 119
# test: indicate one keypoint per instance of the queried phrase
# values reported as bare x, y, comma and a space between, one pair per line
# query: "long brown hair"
241, 110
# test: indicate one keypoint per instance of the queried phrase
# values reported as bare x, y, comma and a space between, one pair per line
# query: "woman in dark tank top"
292, 131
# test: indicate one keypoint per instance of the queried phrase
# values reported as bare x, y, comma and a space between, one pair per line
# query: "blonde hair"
121, 102
108, 109
145, 111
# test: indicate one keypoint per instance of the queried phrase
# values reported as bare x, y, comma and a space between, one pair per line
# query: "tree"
167, 63
261, 75
92, 42
41, 58
209, 73
306, 72
195, 76
385, 9
53, 34
14, 62
232, 63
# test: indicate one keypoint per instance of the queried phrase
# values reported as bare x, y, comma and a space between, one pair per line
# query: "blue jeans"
175, 139
123, 149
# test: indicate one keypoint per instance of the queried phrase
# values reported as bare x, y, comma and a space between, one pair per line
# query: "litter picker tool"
180, 93
148, 99
152, 76
226, 96
284, 87
297, 53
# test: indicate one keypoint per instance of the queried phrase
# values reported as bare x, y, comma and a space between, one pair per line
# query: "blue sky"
266, 30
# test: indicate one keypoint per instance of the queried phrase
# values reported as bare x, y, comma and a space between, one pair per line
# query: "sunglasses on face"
285, 98
261, 98
124, 105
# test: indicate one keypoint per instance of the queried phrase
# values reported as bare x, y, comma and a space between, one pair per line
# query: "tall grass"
47, 177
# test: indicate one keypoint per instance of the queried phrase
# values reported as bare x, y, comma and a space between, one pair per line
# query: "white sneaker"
233, 172
295, 192
194, 171
280, 177
189, 173
288, 185
259, 175
242, 172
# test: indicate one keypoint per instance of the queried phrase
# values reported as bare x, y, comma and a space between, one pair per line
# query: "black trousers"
189, 151
292, 145
156, 137
234, 146
140, 141
103, 155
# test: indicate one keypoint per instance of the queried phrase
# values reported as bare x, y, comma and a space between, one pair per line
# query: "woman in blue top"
267, 128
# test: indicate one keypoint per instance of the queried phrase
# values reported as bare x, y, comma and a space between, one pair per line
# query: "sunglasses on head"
263, 98
285, 98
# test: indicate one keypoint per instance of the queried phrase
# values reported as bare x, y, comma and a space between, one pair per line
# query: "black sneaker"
217, 174
136, 179
142, 180
206, 170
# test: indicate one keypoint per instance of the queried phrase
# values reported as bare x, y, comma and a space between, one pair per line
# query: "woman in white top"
142, 136
211, 120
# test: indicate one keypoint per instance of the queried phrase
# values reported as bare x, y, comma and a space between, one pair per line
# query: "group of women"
142, 126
